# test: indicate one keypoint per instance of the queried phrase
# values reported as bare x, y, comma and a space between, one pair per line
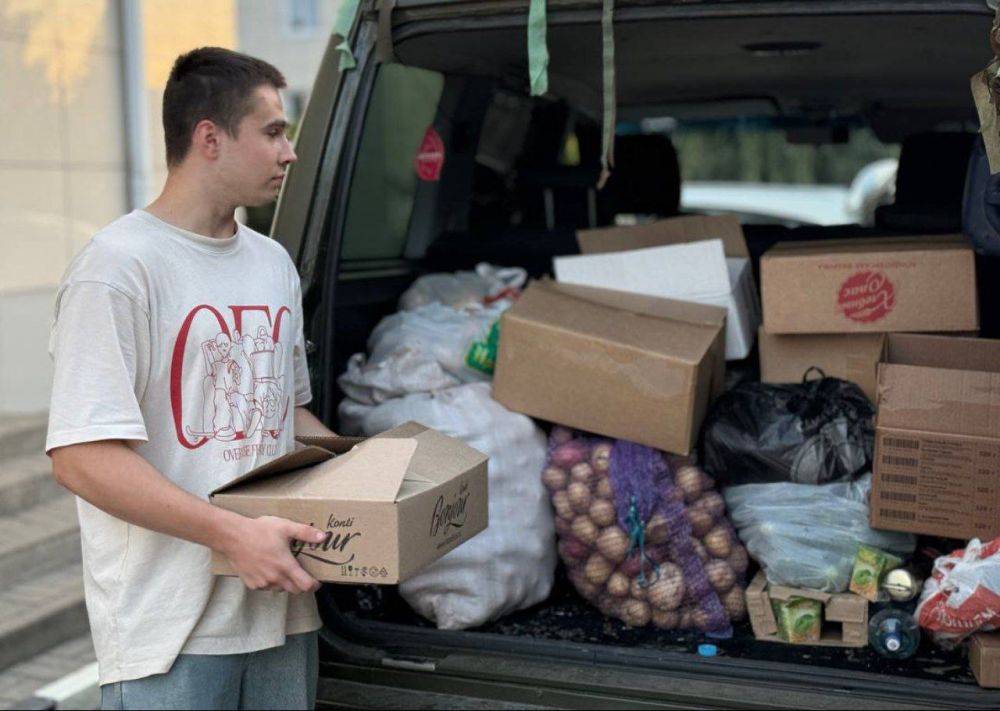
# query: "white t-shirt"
190, 348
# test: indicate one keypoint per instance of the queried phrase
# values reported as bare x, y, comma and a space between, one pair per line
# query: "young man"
180, 365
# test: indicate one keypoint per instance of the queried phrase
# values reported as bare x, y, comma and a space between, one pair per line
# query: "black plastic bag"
818, 431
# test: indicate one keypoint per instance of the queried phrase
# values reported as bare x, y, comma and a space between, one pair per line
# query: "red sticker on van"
430, 156
866, 296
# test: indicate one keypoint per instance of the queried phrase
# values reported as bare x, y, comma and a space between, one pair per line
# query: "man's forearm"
305, 421
115, 479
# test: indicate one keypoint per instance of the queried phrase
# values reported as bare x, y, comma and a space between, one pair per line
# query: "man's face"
253, 164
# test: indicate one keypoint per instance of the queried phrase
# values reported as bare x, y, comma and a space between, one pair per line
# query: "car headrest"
645, 179
929, 183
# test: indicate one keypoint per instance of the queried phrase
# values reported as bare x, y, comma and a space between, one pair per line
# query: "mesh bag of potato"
644, 538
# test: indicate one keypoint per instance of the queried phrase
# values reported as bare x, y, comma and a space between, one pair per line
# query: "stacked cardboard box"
937, 437
829, 304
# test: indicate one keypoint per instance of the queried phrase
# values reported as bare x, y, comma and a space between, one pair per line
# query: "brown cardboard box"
622, 365
984, 659
393, 503
937, 437
675, 230
891, 284
848, 356
847, 613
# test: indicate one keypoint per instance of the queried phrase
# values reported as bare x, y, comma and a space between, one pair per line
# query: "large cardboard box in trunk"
893, 284
937, 437
617, 364
692, 258
845, 615
848, 356
984, 659
392, 504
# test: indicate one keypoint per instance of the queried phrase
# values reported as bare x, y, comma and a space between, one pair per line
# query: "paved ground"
43, 624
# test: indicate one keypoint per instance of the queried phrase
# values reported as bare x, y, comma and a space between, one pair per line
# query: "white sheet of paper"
692, 271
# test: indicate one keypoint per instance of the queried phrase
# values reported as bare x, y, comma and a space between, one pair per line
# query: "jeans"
277, 678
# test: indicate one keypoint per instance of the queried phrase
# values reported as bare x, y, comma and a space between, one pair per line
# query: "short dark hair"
215, 84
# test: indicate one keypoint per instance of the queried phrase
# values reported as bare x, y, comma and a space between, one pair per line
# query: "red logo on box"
866, 296
430, 156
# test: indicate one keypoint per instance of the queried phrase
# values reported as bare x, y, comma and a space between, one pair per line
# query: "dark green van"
431, 155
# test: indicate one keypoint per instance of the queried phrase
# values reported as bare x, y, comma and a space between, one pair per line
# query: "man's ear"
206, 139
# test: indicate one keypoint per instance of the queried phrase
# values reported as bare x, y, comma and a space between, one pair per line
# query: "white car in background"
792, 204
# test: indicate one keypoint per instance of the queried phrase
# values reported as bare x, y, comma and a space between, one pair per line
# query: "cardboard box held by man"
392, 504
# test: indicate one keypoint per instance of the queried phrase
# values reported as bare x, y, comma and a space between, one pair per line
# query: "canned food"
901, 585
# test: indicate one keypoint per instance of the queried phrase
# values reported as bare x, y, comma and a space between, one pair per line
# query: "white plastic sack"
462, 341
460, 289
371, 382
510, 565
807, 536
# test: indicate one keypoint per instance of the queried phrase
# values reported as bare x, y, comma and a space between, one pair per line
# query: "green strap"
608, 54
538, 51
342, 24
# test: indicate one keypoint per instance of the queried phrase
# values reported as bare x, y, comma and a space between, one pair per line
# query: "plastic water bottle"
894, 634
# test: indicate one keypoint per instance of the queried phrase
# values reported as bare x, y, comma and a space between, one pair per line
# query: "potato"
637, 590
707, 482
570, 454
618, 584
658, 554
563, 527
613, 544
560, 502
701, 521
579, 497
720, 575
587, 589
610, 606
665, 620
699, 550
602, 512
598, 569
632, 566
719, 542
700, 620
636, 613
712, 503
561, 435
738, 560
657, 529
686, 621
603, 489
667, 592
735, 602
585, 530
554, 479
600, 457
689, 480
584, 474
573, 550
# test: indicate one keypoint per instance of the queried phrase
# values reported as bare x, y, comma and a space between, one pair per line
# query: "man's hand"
260, 552
114, 478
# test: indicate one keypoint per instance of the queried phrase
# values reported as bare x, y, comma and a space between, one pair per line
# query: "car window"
385, 178
759, 172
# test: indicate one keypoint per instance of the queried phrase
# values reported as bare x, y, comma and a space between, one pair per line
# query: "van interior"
519, 179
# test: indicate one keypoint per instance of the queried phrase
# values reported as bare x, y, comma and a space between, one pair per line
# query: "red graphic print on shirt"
237, 391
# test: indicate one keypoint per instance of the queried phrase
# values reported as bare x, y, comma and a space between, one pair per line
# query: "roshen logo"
866, 296
450, 515
333, 544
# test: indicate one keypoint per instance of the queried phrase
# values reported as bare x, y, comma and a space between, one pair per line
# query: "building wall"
62, 157
266, 30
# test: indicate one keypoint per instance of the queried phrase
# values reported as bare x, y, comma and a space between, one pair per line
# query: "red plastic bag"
962, 596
